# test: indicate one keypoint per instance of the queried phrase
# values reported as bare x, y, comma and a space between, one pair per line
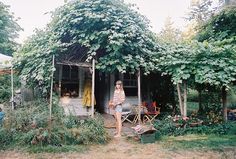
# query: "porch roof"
5, 61
79, 64
74, 56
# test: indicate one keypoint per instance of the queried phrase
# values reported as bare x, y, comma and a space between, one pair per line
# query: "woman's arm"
122, 97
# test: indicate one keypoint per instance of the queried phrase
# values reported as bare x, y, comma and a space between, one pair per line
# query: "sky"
34, 13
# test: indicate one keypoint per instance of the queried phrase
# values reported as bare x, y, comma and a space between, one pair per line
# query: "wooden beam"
139, 97
12, 89
79, 64
59, 83
93, 84
81, 82
50, 104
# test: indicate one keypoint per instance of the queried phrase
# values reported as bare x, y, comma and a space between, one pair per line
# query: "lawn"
199, 142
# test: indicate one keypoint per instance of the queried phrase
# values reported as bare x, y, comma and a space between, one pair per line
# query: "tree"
107, 30
8, 30
220, 30
112, 32
177, 60
216, 66
221, 26
190, 31
200, 11
169, 33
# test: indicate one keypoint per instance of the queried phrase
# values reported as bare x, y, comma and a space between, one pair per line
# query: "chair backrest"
150, 107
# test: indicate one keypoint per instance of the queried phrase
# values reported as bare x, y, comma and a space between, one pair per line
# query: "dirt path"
123, 149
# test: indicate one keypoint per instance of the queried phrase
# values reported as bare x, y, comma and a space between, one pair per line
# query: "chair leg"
149, 118
146, 118
135, 119
153, 117
125, 118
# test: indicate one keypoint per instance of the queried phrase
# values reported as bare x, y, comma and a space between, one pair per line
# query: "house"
72, 75
70, 82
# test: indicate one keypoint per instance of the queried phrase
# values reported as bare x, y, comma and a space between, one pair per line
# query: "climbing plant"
110, 31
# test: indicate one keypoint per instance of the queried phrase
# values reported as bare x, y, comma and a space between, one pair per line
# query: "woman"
118, 100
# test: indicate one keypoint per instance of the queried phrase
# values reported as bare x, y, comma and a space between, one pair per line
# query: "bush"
93, 131
168, 127
165, 126
192, 95
232, 98
6, 138
29, 125
5, 87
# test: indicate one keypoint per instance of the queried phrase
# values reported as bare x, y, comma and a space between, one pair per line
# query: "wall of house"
73, 105
131, 100
104, 89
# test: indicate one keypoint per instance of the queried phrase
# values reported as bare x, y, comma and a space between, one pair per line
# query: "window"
70, 81
130, 84
70, 72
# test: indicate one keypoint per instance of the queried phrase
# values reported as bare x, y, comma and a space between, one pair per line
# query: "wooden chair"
126, 112
151, 111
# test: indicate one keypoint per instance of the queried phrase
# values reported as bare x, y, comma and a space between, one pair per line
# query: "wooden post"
60, 78
224, 103
139, 97
81, 82
50, 104
180, 98
12, 89
185, 99
93, 84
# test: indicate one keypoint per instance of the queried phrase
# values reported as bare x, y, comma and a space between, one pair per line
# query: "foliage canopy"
8, 30
221, 26
108, 30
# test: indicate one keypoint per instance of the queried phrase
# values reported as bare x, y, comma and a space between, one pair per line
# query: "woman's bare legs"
118, 124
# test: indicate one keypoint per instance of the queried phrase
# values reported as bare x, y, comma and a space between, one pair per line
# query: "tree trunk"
185, 99
224, 102
173, 102
180, 98
200, 109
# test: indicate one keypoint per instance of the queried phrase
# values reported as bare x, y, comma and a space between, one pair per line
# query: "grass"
199, 142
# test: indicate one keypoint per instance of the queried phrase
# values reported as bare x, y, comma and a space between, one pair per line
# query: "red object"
151, 111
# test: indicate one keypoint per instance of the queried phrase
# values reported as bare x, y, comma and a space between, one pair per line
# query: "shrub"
5, 87
6, 138
192, 95
165, 126
93, 131
169, 128
29, 125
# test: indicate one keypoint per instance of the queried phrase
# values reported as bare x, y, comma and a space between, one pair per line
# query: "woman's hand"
111, 104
